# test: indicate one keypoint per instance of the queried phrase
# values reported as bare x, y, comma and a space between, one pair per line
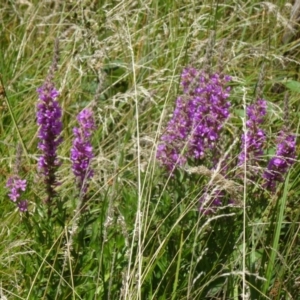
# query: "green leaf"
293, 85
240, 112
270, 152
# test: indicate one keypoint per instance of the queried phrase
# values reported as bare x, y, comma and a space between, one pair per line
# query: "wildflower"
49, 119
82, 150
23, 205
279, 165
197, 120
16, 186
210, 202
173, 141
254, 138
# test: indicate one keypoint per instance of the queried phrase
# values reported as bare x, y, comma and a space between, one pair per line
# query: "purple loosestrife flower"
49, 119
210, 202
173, 141
82, 150
16, 186
23, 205
284, 158
197, 120
254, 139
208, 110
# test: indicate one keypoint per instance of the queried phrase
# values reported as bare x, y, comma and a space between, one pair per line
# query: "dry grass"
123, 59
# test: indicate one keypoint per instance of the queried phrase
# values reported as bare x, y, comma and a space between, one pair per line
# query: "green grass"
143, 236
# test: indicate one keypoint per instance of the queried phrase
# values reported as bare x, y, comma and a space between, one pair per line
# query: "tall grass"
143, 235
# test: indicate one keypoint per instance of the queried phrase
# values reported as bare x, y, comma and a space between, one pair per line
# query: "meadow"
149, 149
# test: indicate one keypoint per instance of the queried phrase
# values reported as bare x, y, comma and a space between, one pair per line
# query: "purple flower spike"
197, 120
49, 119
82, 150
23, 205
279, 165
255, 137
16, 186
86, 120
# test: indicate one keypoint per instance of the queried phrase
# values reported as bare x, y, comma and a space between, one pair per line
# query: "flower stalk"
82, 150
197, 120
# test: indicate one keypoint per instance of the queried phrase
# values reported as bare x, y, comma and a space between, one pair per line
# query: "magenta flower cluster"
49, 115
82, 150
279, 165
16, 186
253, 142
194, 130
197, 120
255, 137
49, 119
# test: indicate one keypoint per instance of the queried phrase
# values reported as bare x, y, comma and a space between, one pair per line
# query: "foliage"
159, 192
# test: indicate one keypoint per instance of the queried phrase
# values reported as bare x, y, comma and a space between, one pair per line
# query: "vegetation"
180, 179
